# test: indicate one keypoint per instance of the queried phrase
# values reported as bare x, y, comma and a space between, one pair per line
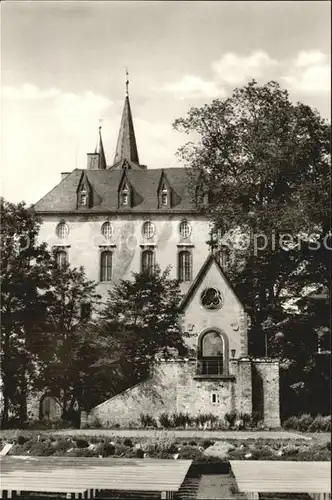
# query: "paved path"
190, 434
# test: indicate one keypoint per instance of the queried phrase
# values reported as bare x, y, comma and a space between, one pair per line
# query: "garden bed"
199, 450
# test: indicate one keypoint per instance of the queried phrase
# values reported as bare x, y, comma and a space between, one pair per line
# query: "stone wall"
266, 390
172, 389
175, 388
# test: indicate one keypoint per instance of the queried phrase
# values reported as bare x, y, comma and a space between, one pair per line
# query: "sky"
63, 73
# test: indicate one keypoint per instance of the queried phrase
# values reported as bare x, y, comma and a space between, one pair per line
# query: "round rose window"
211, 298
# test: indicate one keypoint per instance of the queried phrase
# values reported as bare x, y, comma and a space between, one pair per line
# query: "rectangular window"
61, 259
147, 261
185, 266
215, 398
106, 266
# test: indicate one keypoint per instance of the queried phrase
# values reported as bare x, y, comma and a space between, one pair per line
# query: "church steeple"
126, 148
100, 150
97, 160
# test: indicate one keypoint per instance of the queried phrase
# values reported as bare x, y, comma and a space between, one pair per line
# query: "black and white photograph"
165, 250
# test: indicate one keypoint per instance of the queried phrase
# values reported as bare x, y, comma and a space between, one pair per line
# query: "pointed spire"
100, 150
126, 148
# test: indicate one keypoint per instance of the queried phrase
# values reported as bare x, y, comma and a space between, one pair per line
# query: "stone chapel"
123, 217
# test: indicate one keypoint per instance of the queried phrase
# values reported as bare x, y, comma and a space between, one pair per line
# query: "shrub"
41, 449
62, 445
255, 418
181, 419
81, 443
139, 453
21, 440
206, 419
230, 418
304, 422
106, 449
291, 423
128, 442
133, 425
246, 419
191, 443
321, 424
191, 453
161, 447
120, 450
147, 420
207, 443
165, 421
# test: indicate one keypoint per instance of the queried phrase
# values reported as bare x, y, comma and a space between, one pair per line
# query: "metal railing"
210, 366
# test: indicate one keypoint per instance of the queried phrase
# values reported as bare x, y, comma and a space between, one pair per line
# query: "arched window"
61, 259
185, 229
106, 259
212, 354
148, 261
212, 345
107, 230
148, 229
185, 266
62, 231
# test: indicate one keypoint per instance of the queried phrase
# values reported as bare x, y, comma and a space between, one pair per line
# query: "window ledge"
103, 245
214, 377
185, 245
61, 245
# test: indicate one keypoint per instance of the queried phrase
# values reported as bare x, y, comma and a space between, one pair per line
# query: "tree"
264, 163
70, 344
25, 281
141, 319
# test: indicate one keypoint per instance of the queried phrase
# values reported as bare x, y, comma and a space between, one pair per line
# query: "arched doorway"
213, 353
49, 408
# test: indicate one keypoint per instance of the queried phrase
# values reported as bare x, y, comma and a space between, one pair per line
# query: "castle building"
122, 218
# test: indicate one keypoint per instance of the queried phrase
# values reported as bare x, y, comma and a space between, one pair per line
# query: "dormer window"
164, 192
125, 195
164, 196
84, 194
83, 198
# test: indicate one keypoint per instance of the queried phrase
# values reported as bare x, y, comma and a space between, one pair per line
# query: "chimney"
93, 161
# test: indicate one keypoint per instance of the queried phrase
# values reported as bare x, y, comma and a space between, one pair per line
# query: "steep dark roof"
126, 147
100, 150
104, 185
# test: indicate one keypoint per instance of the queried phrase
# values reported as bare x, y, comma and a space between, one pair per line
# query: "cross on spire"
127, 82
212, 242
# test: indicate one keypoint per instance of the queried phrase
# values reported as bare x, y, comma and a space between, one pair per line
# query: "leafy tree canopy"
25, 268
264, 163
142, 319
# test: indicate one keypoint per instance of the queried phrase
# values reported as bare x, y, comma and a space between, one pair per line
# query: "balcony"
212, 368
